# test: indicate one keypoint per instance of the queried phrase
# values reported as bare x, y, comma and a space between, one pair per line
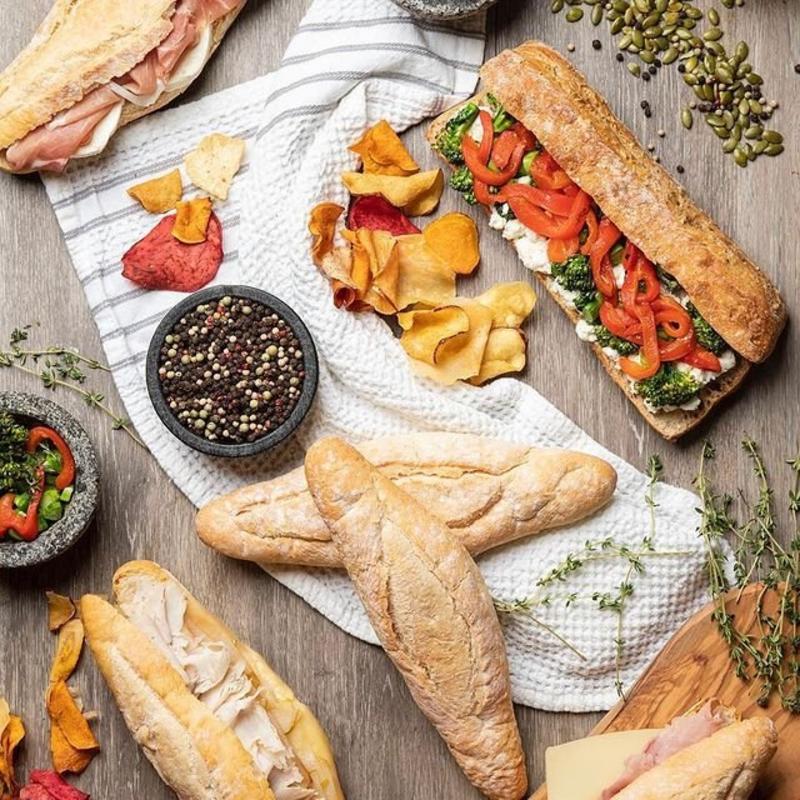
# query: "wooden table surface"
385, 747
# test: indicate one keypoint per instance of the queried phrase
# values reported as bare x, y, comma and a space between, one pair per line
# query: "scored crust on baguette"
428, 603
488, 491
669, 424
101, 75
296, 723
200, 757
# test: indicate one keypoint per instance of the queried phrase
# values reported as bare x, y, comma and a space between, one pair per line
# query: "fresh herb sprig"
58, 366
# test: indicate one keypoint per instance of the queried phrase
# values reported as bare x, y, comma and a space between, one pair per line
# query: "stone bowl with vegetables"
49, 481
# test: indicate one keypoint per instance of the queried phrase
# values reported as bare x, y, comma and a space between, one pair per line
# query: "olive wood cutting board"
695, 666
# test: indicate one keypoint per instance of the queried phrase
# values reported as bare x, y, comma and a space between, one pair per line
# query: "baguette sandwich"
96, 65
674, 310
489, 492
706, 755
431, 610
213, 718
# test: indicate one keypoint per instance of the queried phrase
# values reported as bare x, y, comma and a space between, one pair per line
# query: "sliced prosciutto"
681, 733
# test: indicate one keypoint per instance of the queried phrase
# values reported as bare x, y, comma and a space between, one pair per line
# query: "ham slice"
681, 733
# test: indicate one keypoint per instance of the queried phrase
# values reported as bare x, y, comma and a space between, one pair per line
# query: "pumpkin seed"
716, 48
709, 62
651, 20
723, 74
773, 150
690, 79
634, 69
620, 5
726, 97
574, 14
624, 42
754, 79
729, 145
727, 3
687, 118
669, 56
744, 107
755, 107
556, 6
753, 132
597, 15
712, 35
715, 120
617, 25
773, 137
642, 5
691, 64
728, 119
713, 16
740, 157
742, 51
638, 38
661, 6
760, 146
647, 56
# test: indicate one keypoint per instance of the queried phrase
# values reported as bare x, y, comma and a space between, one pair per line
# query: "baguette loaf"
427, 602
489, 492
553, 100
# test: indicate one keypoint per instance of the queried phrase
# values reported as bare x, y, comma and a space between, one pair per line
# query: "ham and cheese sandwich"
210, 714
96, 65
674, 310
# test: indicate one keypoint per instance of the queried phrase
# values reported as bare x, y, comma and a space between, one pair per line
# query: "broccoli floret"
501, 119
668, 387
607, 339
448, 142
575, 274
706, 336
461, 180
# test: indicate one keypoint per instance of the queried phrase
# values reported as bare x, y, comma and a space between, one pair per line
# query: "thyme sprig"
59, 366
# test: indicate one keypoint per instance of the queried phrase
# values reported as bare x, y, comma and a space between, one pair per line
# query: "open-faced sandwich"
96, 65
674, 310
212, 717
706, 755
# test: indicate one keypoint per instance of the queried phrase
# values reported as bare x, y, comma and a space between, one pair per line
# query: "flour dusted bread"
193, 685
488, 491
431, 610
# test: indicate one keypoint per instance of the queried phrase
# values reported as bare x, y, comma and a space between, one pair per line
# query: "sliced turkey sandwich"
213, 718
96, 65
705, 755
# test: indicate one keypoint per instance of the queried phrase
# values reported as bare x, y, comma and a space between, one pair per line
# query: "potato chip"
64, 713
191, 220
414, 194
383, 153
60, 610
159, 195
511, 303
423, 276
454, 238
505, 352
322, 226
214, 162
427, 331
68, 653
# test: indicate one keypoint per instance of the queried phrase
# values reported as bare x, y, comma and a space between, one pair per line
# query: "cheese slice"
580, 770
192, 61
101, 134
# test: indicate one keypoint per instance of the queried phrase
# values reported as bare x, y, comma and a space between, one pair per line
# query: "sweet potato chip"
505, 352
191, 220
383, 153
423, 276
214, 162
159, 195
426, 332
414, 194
60, 610
12, 733
374, 270
67, 758
70, 645
65, 714
511, 303
322, 226
454, 238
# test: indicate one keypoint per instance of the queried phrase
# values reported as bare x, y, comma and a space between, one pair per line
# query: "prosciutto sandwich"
96, 65
674, 310
213, 718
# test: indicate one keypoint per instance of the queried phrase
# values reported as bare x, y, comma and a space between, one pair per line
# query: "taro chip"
511, 303
383, 153
423, 276
56, 786
378, 214
60, 610
68, 653
454, 238
414, 194
505, 352
191, 220
159, 195
322, 226
214, 162
426, 332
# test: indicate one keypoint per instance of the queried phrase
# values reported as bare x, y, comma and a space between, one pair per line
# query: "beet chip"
374, 212
54, 785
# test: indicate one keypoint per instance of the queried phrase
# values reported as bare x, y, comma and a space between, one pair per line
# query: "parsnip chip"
414, 194
68, 653
191, 220
64, 713
426, 332
214, 162
383, 153
511, 303
423, 276
454, 238
322, 226
60, 610
505, 352
159, 195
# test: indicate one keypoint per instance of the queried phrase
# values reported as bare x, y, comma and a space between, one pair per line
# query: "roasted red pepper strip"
602, 271
487, 140
39, 434
677, 349
504, 148
703, 359
672, 316
559, 250
26, 527
545, 225
619, 321
547, 174
649, 354
482, 173
594, 230
641, 282
525, 136
556, 203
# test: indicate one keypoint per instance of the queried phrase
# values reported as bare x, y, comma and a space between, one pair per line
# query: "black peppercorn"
680, 169
596, 44
620, 57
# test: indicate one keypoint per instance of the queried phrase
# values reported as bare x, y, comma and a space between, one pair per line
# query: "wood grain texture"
694, 667
385, 748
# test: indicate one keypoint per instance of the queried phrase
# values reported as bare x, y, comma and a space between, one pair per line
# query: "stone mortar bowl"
444, 9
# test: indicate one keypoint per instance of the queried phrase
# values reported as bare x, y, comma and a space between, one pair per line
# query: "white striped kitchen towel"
351, 63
